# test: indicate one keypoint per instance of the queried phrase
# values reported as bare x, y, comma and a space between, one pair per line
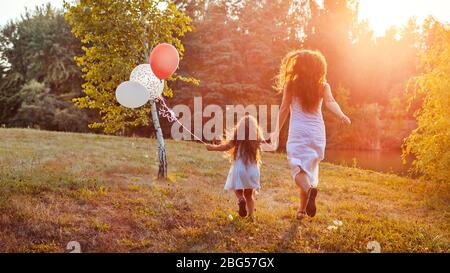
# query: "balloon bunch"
147, 80
147, 83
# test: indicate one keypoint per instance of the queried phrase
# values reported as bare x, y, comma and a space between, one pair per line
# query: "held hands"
273, 146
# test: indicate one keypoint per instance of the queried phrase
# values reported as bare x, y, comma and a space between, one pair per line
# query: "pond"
381, 161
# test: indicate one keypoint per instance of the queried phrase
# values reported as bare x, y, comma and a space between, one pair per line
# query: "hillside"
101, 191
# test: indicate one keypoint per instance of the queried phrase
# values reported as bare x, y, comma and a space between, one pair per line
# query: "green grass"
101, 191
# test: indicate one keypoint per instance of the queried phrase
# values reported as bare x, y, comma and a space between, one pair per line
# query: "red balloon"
164, 60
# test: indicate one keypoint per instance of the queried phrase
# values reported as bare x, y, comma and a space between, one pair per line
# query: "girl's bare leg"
239, 194
302, 181
248, 194
242, 203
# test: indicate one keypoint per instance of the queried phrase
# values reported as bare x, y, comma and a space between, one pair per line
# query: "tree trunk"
162, 173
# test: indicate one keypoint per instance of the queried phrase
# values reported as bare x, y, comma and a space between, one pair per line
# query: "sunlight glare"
382, 14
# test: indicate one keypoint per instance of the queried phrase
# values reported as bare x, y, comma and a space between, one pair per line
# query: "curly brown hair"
303, 74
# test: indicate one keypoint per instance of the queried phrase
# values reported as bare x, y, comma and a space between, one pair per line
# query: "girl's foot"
301, 215
251, 217
242, 207
311, 202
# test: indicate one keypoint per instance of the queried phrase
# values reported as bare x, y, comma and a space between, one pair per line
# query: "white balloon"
144, 75
132, 94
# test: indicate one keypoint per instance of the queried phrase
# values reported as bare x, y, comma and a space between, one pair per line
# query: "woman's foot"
301, 215
242, 207
311, 208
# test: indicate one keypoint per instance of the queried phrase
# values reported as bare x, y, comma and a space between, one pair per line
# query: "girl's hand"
209, 147
275, 138
346, 120
273, 146
266, 147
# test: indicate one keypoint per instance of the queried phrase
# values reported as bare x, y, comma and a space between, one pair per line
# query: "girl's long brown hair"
303, 75
246, 139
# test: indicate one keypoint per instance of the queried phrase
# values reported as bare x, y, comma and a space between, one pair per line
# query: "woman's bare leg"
302, 181
248, 194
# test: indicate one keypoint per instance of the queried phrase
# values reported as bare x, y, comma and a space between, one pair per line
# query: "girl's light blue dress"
241, 177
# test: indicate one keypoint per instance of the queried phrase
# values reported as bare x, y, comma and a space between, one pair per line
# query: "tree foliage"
236, 47
430, 142
374, 69
234, 50
117, 36
36, 57
42, 109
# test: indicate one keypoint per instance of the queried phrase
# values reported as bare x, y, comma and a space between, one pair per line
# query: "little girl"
302, 80
243, 177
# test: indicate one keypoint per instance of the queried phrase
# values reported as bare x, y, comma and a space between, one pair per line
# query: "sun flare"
383, 14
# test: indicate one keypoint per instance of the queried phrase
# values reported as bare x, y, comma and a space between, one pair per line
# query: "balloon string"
169, 114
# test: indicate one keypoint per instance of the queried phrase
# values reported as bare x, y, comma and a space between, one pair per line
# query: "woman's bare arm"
283, 115
333, 106
285, 109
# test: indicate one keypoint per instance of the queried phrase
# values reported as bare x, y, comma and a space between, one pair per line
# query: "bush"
430, 142
365, 131
41, 109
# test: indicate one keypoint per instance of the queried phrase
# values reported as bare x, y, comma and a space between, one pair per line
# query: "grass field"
101, 191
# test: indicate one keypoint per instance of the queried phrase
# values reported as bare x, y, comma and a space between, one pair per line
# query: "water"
381, 161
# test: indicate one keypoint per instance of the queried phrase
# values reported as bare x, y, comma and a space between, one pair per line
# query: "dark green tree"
237, 46
38, 47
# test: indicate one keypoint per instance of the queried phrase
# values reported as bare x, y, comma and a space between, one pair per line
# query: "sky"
11, 9
381, 14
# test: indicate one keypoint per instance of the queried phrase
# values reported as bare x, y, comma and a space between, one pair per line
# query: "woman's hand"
346, 120
273, 146
209, 147
266, 147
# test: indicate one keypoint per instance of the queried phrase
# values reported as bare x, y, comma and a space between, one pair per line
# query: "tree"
430, 142
41, 109
39, 47
237, 46
332, 29
269, 28
117, 36
37, 105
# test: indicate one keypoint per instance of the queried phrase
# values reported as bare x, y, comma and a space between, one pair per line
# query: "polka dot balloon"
144, 75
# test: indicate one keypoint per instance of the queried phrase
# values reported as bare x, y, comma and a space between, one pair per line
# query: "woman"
302, 79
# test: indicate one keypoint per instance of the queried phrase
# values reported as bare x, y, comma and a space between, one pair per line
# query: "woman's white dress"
241, 177
306, 142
